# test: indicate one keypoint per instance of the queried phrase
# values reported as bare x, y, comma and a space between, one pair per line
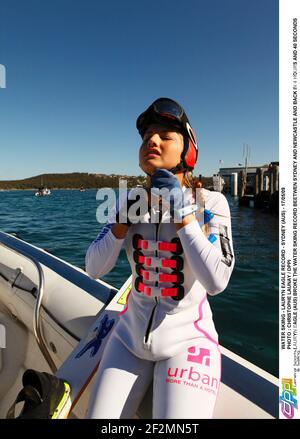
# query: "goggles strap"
178, 168
182, 166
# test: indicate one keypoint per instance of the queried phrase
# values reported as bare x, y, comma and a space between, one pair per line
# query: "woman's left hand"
163, 178
171, 192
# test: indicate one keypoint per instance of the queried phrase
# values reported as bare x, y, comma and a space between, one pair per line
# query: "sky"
79, 72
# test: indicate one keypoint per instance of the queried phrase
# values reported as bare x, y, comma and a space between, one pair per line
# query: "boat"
47, 306
42, 192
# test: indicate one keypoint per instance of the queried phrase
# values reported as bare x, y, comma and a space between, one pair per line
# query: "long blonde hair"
194, 183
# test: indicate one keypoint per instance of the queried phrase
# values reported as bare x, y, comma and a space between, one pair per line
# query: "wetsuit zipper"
156, 299
150, 322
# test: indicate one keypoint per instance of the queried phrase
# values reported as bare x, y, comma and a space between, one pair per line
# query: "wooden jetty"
260, 190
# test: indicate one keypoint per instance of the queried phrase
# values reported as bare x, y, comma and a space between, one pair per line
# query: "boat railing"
39, 299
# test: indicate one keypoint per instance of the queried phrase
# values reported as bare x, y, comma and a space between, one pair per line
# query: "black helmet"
168, 112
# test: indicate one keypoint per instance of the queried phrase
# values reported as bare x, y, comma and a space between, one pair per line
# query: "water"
245, 314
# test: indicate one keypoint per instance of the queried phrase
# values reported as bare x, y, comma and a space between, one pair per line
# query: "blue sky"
79, 72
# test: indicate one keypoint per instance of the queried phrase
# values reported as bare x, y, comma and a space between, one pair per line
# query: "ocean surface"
245, 314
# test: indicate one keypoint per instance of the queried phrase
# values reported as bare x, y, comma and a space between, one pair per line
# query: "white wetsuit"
171, 340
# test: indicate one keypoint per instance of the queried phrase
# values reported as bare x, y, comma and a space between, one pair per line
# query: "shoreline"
52, 189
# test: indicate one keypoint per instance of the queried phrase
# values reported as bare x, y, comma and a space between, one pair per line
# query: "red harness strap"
168, 246
160, 277
149, 261
154, 291
171, 263
145, 244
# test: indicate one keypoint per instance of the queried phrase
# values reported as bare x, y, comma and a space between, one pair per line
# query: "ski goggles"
168, 108
168, 111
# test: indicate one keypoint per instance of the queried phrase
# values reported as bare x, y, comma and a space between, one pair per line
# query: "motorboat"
42, 192
48, 305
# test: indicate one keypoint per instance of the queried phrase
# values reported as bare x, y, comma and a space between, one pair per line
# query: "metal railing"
39, 298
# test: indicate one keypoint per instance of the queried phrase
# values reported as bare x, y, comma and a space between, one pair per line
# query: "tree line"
77, 180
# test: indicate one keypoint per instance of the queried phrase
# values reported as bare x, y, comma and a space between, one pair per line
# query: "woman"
166, 331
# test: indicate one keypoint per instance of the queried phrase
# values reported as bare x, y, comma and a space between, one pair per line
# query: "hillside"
73, 180
76, 180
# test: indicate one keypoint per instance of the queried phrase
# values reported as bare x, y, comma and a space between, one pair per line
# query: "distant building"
226, 173
258, 178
